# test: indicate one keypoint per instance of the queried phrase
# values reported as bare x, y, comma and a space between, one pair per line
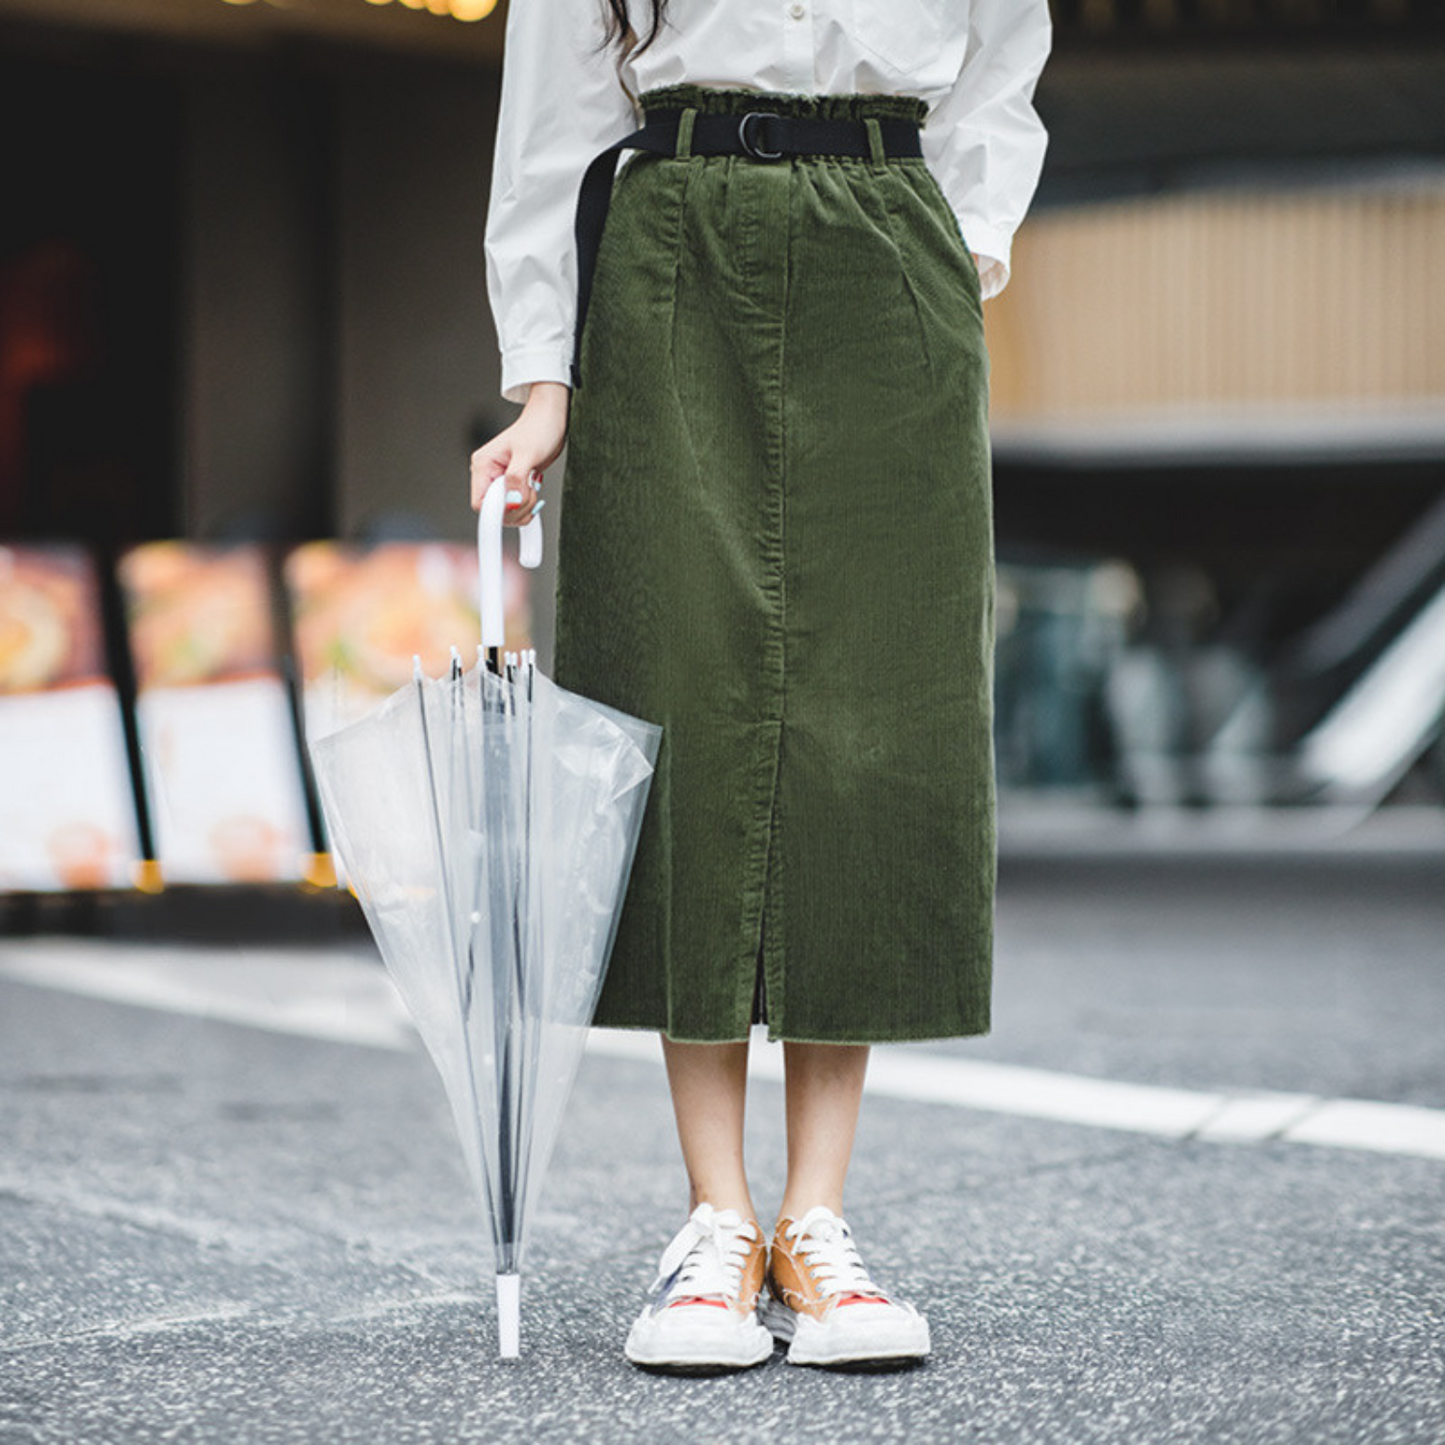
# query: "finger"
521, 498
522, 516
486, 467
518, 493
482, 478
519, 505
521, 520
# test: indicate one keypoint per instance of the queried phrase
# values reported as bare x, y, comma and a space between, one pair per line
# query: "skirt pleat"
776, 540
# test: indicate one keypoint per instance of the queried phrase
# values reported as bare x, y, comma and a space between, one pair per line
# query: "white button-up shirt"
565, 98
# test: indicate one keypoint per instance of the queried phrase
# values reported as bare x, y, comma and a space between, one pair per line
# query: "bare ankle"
797, 1206
723, 1198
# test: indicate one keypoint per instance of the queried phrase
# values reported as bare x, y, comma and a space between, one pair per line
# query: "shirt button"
797, 11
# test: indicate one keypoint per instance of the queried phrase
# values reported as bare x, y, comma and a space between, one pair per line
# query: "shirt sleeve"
984, 140
562, 102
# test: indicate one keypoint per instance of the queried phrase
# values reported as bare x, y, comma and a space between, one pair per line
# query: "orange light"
319, 871
148, 872
465, 10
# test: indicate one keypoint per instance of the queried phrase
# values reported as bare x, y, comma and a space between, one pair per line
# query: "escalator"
1357, 698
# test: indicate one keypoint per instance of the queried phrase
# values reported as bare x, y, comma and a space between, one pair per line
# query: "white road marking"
343, 998
1228, 1116
346, 998
1366, 1124
1257, 1116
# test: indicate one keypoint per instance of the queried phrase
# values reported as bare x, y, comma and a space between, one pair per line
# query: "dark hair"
619, 24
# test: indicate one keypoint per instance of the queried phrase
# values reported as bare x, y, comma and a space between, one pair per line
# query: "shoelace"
826, 1244
706, 1257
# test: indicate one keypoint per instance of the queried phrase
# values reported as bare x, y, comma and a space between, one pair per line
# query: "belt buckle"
747, 144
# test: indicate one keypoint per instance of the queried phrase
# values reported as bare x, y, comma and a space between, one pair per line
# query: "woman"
777, 542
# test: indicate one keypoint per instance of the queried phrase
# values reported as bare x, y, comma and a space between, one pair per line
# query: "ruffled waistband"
737, 101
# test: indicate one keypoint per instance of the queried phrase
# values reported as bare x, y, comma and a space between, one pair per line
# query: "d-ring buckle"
747, 144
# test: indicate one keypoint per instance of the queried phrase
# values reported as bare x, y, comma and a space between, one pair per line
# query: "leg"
723, 1262
814, 1273
825, 1089
709, 1089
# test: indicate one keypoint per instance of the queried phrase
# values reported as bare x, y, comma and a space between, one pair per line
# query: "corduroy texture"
776, 540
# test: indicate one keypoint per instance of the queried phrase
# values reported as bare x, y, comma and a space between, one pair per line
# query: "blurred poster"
67, 812
217, 738
362, 614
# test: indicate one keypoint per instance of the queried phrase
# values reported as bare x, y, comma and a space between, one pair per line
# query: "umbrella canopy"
487, 820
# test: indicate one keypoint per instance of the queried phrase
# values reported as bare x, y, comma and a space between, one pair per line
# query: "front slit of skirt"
760, 987
766, 890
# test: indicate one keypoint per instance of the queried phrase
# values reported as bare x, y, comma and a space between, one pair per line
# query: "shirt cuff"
992, 248
523, 366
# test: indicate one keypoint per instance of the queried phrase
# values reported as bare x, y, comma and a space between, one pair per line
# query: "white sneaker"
821, 1299
703, 1311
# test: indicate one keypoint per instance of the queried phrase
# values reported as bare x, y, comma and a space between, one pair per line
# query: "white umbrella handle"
489, 559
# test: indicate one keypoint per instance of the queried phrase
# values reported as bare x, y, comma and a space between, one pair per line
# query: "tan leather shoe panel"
789, 1277
753, 1273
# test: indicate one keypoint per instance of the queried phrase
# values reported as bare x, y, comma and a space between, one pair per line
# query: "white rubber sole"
690, 1344
848, 1339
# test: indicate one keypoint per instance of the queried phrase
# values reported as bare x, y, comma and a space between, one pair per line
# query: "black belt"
762, 134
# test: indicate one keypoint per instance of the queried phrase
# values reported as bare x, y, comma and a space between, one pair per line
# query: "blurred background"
245, 351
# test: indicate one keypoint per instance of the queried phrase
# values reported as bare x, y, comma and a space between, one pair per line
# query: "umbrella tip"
509, 1315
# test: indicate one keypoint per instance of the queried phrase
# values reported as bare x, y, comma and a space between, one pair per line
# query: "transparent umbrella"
487, 821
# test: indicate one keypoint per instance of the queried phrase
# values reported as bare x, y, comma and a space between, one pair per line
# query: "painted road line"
1262, 1115
341, 998
999, 1088
1365, 1124
345, 998
1228, 1116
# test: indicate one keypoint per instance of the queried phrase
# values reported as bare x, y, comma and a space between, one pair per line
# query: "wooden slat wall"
1227, 297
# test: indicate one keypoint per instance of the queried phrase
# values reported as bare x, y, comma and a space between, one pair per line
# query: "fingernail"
542, 502
514, 497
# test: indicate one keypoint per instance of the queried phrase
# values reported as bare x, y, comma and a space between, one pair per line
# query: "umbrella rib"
448, 903
530, 1021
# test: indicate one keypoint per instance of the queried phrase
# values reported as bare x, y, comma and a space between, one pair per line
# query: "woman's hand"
524, 450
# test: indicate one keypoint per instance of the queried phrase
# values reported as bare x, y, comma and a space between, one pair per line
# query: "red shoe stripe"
698, 1299
861, 1299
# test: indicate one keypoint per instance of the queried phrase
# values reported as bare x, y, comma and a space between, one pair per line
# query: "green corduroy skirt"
776, 540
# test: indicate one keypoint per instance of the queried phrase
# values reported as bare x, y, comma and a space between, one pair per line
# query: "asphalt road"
224, 1231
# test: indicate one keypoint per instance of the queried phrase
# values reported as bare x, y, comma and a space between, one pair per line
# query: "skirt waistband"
772, 125
730, 100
